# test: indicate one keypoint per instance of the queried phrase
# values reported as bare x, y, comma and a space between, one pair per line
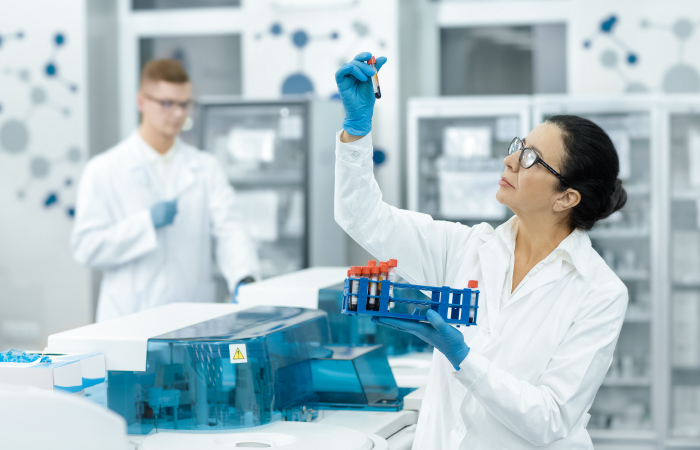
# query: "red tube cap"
372, 60
371, 263
383, 267
473, 284
356, 270
366, 270
375, 270
392, 263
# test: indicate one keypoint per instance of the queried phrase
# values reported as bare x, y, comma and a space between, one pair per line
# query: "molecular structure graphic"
682, 77
15, 135
299, 82
609, 58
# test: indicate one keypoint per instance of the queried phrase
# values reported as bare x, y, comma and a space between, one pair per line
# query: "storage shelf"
637, 315
622, 435
620, 233
687, 284
686, 194
633, 275
627, 382
275, 179
683, 442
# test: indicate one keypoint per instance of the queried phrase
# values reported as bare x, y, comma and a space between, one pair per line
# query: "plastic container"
456, 306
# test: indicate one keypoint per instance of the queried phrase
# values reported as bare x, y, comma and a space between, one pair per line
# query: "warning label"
239, 354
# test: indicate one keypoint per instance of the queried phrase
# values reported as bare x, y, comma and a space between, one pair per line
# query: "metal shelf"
633, 275
620, 233
627, 382
623, 435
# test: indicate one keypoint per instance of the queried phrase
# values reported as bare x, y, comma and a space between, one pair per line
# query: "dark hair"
590, 166
170, 70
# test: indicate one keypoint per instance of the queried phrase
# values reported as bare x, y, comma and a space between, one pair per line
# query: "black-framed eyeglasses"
169, 105
529, 158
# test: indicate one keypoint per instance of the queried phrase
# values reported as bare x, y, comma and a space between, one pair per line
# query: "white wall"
649, 29
43, 147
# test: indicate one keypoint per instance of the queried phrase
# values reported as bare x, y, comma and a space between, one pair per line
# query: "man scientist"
150, 208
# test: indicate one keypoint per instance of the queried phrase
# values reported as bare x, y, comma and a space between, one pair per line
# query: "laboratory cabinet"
456, 148
279, 156
650, 397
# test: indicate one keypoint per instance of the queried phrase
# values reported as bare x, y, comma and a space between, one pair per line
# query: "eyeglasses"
169, 105
529, 158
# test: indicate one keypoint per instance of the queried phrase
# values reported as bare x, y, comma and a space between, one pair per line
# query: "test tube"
366, 273
473, 284
373, 303
392, 263
375, 78
383, 275
355, 272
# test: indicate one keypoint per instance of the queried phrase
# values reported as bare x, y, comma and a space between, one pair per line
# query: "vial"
375, 78
473, 284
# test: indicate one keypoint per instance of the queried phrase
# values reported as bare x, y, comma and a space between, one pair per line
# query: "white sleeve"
420, 244
98, 239
547, 410
235, 251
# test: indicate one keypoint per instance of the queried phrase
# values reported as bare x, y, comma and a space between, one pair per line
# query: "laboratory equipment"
279, 157
456, 147
33, 418
453, 305
224, 367
322, 288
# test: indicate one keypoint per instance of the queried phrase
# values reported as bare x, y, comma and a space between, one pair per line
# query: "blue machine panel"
247, 369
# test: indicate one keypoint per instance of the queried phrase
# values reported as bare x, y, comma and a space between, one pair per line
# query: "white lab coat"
144, 267
536, 364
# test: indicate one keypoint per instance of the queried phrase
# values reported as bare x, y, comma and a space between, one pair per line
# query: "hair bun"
616, 200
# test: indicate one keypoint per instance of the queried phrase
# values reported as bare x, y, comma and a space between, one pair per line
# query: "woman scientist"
551, 309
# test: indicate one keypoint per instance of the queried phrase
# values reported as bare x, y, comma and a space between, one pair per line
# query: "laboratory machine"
265, 375
279, 156
322, 288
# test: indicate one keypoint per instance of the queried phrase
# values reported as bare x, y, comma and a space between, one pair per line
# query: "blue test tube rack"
447, 302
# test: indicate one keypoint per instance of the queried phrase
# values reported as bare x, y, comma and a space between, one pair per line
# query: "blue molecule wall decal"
51, 199
681, 78
610, 56
15, 133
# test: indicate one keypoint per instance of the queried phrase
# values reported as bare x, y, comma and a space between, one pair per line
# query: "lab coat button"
355, 154
461, 430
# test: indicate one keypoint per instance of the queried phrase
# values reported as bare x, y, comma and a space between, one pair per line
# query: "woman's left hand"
437, 333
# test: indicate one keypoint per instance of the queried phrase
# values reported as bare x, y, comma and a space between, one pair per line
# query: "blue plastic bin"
445, 301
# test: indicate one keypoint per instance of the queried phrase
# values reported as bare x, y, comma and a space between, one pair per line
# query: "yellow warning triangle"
238, 354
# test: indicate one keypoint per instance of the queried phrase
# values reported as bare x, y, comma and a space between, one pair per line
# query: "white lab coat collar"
184, 164
575, 247
495, 261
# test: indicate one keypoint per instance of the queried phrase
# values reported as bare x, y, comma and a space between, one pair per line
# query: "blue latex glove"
438, 333
357, 94
163, 213
246, 280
